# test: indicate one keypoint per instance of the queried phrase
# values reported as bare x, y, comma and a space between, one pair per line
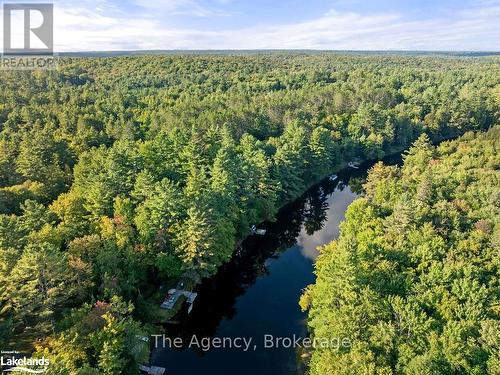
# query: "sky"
431, 25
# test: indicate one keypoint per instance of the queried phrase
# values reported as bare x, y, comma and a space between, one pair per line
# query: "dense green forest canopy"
121, 174
413, 280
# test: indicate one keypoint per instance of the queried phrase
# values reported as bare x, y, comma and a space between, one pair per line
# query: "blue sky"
82, 25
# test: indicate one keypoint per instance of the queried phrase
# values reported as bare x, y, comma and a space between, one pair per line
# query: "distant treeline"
270, 52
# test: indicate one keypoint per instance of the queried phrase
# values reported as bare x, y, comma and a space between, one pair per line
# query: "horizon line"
286, 50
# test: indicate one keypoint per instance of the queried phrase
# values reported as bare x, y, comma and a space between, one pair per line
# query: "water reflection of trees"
217, 295
315, 208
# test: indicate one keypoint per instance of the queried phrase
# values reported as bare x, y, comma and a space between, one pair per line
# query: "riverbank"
419, 232
256, 293
162, 316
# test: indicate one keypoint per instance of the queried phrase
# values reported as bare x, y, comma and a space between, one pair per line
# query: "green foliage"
120, 173
41, 282
413, 279
103, 328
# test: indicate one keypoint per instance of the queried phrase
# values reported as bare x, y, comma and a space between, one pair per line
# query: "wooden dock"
174, 295
255, 230
153, 370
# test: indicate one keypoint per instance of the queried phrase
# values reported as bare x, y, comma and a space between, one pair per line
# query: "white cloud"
179, 7
83, 27
337, 205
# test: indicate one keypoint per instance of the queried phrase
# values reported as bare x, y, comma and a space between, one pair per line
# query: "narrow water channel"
257, 292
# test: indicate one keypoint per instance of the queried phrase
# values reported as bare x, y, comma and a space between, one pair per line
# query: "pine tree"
196, 242
41, 283
160, 209
321, 158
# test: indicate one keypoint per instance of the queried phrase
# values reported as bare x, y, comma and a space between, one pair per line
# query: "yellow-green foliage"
412, 280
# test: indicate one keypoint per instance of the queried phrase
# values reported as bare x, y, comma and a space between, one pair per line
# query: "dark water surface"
257, 292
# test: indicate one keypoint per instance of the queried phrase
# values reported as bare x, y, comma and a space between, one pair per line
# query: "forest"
413, 280
120, 175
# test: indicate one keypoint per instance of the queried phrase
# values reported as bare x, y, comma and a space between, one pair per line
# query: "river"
257, 292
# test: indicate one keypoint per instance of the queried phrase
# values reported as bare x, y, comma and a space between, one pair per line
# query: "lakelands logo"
28, 36
13, 361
